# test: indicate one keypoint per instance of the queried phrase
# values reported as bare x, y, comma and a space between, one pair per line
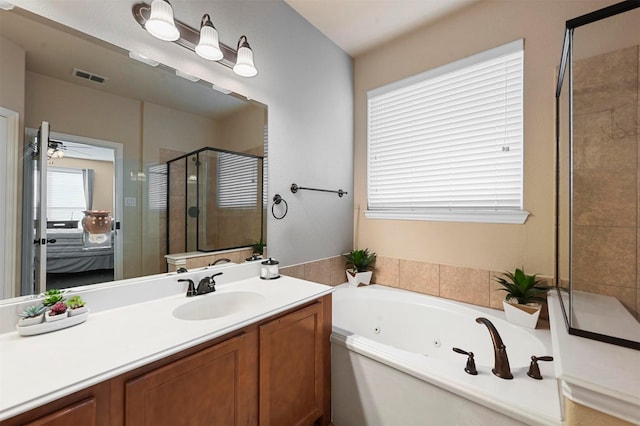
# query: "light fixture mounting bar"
189, 37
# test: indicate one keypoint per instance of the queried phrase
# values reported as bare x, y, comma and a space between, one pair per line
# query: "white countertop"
599, 375
38, 369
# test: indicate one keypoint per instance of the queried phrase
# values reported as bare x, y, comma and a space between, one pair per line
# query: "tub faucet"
222, 259
501, 367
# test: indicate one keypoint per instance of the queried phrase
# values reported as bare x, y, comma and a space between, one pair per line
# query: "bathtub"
393, 363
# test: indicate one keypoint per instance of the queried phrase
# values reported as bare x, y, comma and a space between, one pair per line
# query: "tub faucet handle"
470, 368
534, 369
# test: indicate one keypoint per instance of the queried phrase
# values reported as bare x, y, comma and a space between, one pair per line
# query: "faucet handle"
213, 281
534, 369
470, 368
191, 291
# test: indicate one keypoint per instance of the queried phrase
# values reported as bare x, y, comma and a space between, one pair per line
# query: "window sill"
517, 217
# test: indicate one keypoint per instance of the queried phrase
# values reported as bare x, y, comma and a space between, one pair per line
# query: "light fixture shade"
244, 66
160, 23
208, 47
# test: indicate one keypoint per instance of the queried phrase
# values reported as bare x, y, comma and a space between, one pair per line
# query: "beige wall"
83, 111
484, 25
243, 131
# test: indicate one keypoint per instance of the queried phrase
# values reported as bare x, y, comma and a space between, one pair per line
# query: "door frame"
118, 216
9, 222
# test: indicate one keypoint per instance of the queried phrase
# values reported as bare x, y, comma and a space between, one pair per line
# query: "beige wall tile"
605, 81
295, 271
337, 267
625, 121
496, 296
607, 255
318, 271
387, 271
418, 276
605, 197
580, 415
465, 284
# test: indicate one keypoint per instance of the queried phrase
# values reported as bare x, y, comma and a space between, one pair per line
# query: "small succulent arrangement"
53, 296
523, 288
75, 302
360, 260
32, 311
58, 309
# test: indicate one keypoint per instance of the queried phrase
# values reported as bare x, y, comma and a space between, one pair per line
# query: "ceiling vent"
89, 76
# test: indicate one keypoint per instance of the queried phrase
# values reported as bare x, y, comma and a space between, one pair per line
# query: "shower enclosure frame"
197, 153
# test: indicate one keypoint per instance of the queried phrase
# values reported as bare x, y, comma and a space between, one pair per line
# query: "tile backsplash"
469, 285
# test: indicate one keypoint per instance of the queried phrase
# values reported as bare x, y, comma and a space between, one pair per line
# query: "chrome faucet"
501, 363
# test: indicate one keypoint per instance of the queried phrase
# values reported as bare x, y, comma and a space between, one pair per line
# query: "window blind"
237, 181
157, 187
65, 194
450, 138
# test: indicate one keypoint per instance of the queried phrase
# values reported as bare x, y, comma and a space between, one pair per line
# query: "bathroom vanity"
264, 363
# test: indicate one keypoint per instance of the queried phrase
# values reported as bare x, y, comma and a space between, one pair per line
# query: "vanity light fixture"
244, 66
205, 42
208, 47
161, 24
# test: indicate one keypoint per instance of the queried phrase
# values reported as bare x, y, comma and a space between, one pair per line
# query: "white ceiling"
359, 25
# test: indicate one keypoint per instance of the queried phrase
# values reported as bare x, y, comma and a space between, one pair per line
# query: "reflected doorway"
75, 175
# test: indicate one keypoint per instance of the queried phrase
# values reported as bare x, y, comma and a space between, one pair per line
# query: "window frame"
509, 215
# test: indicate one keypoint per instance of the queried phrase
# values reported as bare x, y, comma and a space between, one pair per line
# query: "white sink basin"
216, 305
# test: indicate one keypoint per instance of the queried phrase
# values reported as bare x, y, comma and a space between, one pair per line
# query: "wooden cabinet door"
291, 379
83, 413
206, 388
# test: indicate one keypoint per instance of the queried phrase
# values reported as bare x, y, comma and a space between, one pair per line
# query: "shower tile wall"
606, 196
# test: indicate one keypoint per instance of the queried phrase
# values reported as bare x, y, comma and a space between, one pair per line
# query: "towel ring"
277, 199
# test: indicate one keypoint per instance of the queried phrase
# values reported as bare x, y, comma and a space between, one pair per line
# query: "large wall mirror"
598, 175
126, 120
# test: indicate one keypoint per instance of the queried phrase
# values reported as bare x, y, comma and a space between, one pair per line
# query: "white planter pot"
25, 322
523, 315
77, 311
360, 277
50, 318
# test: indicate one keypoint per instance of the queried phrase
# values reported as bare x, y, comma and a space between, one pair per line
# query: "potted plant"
76, 306
524, 299
53, 296
258, 250
359, 266
57, 312
31, 315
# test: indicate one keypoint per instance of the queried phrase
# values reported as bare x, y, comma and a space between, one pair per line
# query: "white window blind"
157, 187
449, 140
237, 181
65, 194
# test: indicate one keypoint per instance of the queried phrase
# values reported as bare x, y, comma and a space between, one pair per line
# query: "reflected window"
157, 187
237, 181
65, 194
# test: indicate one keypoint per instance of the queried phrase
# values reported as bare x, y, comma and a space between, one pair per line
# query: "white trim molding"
517, 217
10, 165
